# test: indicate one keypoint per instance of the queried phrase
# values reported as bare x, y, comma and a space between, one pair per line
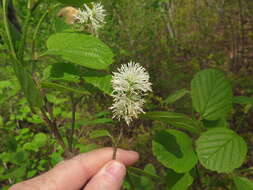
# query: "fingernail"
116, 169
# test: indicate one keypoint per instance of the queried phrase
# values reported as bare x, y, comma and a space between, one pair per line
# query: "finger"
73, 174
110, 177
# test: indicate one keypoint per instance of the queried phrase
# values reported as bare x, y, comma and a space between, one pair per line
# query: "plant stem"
5, 21
72, 122
36, 32
55, 131
115, 147
24, 35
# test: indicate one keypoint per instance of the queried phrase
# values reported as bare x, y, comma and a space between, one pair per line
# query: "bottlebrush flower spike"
130, 85
93, 18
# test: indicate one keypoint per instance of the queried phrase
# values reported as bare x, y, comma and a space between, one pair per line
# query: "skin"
94, 170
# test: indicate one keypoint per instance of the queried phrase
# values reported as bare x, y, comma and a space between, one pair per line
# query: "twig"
115, 147
55, 131
72, 122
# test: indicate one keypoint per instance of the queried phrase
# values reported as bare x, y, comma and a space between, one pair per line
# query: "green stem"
74, 103
7, 30
115, 147
36, 32
24, 35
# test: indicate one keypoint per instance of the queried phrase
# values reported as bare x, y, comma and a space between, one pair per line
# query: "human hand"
94, 170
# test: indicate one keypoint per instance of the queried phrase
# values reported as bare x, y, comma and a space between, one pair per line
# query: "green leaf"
243, 100
81, 49
176, 181
64, 72
18, 172
61, 26
215, 123
174, 150
100, 80
221, 150
99, 133
76, 3
176, 96
63, 88
83, 148
146, 173
40, 139
19, 157
28, 86
243, 183
56, 158
177, 120
211, 94
97, 121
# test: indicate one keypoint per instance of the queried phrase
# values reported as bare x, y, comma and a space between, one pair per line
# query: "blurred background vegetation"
173, 39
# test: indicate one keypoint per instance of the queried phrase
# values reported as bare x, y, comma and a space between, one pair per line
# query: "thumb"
110, 177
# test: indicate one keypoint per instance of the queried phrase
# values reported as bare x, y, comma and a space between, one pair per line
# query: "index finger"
74, 173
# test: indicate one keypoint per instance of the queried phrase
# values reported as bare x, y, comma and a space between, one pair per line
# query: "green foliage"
99, 133
29, 87
243, 183
177, 120
81, 49
243, 100
176, 181
176, 96
221, 150
211, 94
77, 3
63, 88
174, 150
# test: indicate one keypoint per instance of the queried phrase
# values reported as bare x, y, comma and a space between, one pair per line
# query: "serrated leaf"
99, 133
243, 100
176, 96
221, 150
174, 150
211, 94
176, 181
63, 88
177, 120
100, 80
243, 183
81, 49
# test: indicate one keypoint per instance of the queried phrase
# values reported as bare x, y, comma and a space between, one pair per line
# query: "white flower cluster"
93, 18
130, 85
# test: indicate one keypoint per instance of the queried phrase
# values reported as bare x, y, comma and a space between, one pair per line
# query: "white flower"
130, 84
93, 18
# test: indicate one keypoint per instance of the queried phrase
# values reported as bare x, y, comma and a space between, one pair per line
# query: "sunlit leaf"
211, 94
81, 49
221, 150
